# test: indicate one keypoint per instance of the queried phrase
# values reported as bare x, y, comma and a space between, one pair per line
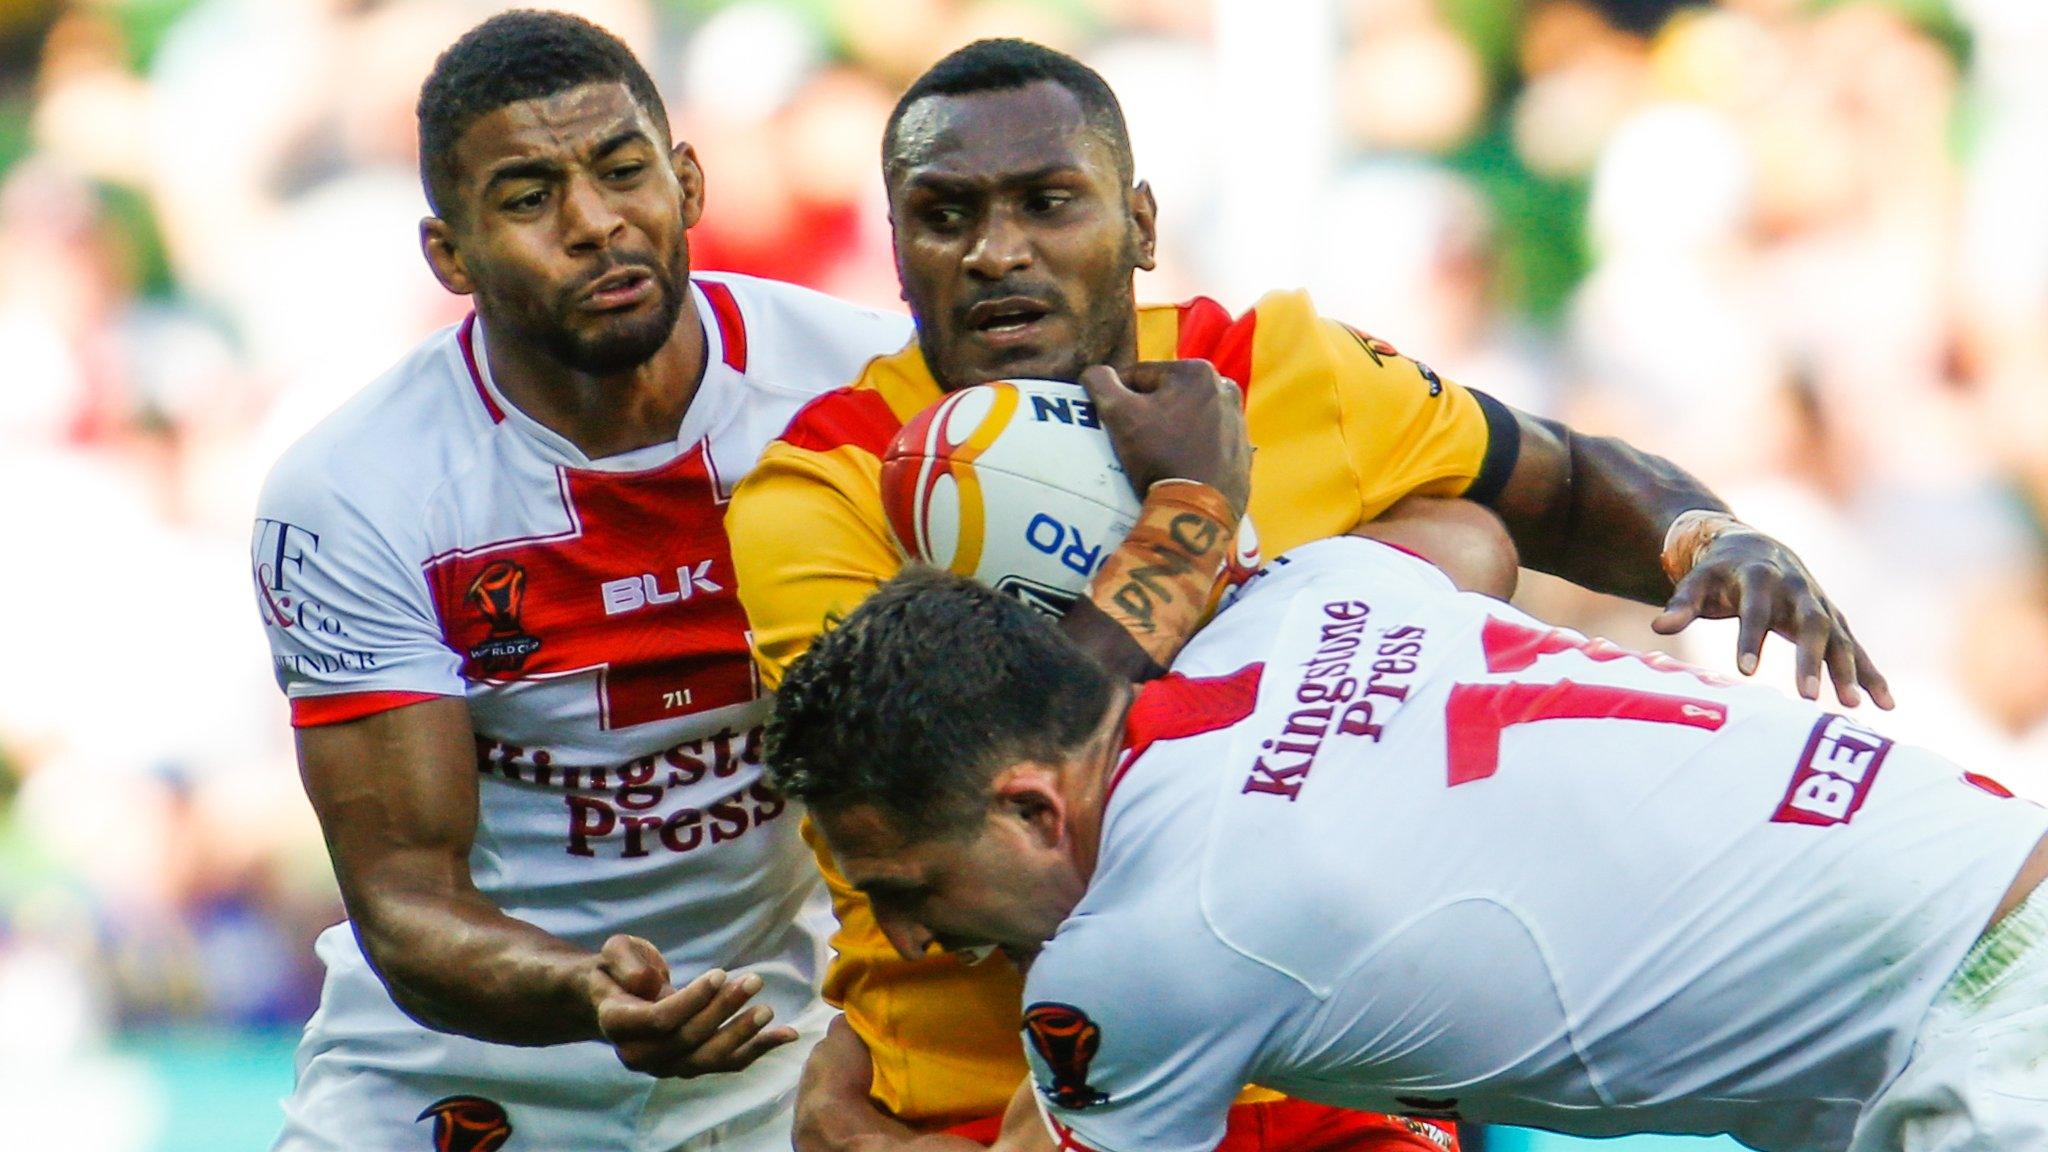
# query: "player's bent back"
1599, 893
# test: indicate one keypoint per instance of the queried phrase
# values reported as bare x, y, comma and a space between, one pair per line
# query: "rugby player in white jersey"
499, 595
1386, 844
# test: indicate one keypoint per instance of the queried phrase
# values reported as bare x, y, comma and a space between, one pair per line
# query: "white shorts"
1977, 1080
371, 1080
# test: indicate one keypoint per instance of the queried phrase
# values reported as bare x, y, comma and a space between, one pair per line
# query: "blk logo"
632, 593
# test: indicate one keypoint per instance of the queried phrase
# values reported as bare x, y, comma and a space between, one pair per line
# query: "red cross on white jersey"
639, 589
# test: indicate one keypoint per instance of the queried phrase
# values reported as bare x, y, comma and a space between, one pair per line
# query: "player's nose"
1001, 247
911, 940
590, 217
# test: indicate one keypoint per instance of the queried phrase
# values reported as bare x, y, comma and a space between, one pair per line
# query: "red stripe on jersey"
320, 711
1207, 332
1068, 1142
1977, 780
1202, 323
732, 331
1291, 1126
856, 416
1175, 707
982, 1130
466, 337
1299, 1126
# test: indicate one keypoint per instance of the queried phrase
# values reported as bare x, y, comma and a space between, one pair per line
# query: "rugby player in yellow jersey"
1018, 229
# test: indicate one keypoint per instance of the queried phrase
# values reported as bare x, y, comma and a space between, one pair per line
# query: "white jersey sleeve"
345, 606
1126, 1061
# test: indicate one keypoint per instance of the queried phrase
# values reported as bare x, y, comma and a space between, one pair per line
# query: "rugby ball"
1013, 483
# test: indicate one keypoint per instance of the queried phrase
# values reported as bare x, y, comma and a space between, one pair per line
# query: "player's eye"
526, 201
944, 217
1047, 201
626, 172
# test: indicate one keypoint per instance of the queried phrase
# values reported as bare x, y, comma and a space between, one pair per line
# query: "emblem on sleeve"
1066, 1040
468, 1124
499, 594
1374, 347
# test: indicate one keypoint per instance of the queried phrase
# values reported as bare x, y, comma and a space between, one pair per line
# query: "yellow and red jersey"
1344, 426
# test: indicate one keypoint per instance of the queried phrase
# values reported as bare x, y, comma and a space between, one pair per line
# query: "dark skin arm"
1464, 539
834, 1112
1594, 511
1590, 509
1167, 419
396, 794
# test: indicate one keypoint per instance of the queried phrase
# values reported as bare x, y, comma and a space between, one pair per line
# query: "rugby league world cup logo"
499, 595
468, 1124
1066, 1039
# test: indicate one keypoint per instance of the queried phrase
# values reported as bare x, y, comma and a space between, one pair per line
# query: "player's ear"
690, 175
437, 242
1031, 795
1145, 222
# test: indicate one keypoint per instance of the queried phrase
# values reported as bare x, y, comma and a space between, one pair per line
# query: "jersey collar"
717, 399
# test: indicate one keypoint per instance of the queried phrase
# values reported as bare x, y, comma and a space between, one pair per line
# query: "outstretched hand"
702, 1027
1748, 575
1175, 420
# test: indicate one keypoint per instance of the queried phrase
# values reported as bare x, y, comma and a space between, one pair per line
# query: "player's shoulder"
392, 443
1345, 558
1204, 319
854, 416
1326, 586
1088, 965
865, 414
787, 337
1204, 329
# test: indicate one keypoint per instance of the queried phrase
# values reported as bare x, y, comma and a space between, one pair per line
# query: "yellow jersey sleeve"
809, 543
1344, 426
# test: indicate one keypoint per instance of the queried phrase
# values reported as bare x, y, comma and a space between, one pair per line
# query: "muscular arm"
396, 794
1464, 539
834, 1112
1024, 1129
1170, 421
1595, 511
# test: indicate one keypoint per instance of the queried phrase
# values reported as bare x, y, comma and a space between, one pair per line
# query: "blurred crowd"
1800, 247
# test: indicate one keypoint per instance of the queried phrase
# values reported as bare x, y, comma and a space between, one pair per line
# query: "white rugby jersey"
1385, 845
429, 539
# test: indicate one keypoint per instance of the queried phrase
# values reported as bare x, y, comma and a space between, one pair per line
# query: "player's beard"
623, 342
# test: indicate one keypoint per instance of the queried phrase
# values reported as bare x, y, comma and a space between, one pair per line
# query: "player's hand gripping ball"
1013, 483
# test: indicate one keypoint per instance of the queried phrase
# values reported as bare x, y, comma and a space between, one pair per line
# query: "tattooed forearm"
1160, 582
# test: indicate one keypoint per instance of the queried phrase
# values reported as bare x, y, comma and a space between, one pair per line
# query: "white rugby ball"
1013, 483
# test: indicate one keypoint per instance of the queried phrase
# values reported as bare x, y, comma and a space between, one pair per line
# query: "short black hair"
999, 65
524, 54
922, 694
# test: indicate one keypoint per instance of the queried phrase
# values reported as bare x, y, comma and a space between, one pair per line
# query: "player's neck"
1086, 782
609, 414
